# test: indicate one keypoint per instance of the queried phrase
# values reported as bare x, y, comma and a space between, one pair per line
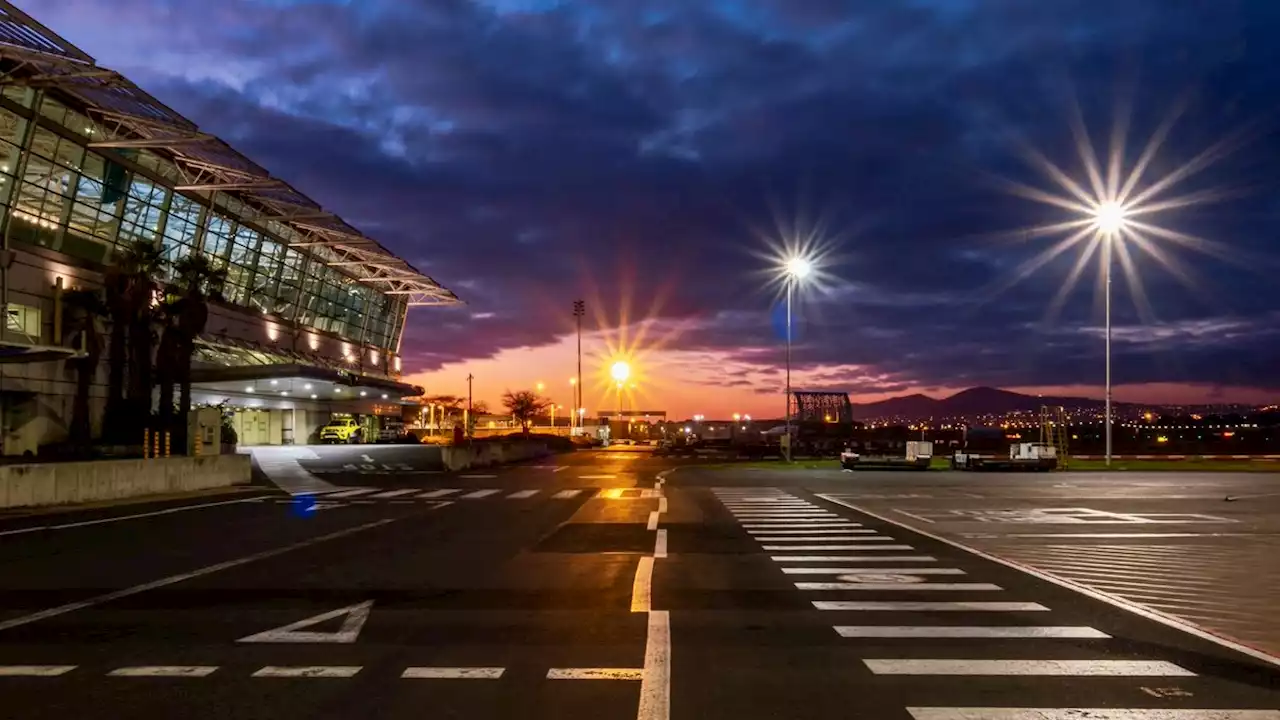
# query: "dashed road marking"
642, 586
852, 558
595, 674
522, 494
179, 671
838, 547
480, 494
871, 571
308, 671
439, 493
821, 538
394, 493
565, 494
35, 670
452, 673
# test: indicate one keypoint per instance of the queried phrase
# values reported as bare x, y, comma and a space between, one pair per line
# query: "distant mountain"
966, 403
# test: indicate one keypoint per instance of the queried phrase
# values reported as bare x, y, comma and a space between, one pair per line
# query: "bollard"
155, 444
146, 442
195, 445
166, 443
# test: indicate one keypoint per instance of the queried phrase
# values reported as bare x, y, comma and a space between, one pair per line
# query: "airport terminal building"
314, 311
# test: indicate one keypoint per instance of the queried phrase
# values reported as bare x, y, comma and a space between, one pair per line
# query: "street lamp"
573, 384
1110, 220
795, 270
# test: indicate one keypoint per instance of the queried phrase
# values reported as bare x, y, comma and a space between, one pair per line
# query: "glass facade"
57, 193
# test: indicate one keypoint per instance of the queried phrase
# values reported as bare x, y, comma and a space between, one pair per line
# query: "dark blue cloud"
524, 152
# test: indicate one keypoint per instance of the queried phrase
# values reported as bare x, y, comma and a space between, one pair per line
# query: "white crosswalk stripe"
871, 571
852, 558
480, 494
565, 494
898, 586
1006, 713
349, 493
958, 631
927, 606
821, 538
394, 493
838, 547
1059, 668
439, 493
521, 494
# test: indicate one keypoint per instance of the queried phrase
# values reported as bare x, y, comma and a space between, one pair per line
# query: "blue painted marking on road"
304, 505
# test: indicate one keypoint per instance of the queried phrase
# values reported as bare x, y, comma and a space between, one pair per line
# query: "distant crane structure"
1054, 431
810, 406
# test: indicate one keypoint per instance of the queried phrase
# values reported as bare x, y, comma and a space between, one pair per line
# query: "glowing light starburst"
1112, 211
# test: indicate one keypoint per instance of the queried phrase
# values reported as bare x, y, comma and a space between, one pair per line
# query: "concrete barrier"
78, 482
485, 454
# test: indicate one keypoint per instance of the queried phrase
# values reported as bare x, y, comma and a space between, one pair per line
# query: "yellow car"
341, 430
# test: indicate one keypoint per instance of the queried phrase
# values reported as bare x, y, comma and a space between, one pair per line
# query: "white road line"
348, 493
596, 477
787, 516
653, 521
852, 558
642, 586
662, 504
395, 493
164, 671
655, 685
480, 494
308, 671
477, 477
897, 586
172, 579
452, 673
1117, 535
660, 544
522, 494
35, 670
439, 493
565, 494
788, 522
976, 713
122, 518
595, 674
837, 547
821, 538
958, 631
871, 571
1063, 668
926, 606
1136, 609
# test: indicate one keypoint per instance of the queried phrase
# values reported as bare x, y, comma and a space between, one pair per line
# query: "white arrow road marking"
350, 630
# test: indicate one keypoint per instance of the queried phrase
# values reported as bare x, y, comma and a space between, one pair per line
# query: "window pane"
12, 126
217, 238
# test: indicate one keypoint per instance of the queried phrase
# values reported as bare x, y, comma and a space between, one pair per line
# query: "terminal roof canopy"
127, 117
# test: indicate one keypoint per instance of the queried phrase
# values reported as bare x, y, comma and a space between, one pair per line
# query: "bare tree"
524, 406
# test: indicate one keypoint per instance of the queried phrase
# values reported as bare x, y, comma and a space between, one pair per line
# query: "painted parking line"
970, 631
927, 606
595, 674
179, 671
35, 670
1006, 713
308, 671
899, 586
1057, 668
452, 673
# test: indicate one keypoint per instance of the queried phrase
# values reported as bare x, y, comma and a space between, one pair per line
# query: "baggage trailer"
917, 455
1023, 457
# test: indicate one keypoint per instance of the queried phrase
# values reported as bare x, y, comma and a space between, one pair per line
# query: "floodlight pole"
1107, 309
786, 449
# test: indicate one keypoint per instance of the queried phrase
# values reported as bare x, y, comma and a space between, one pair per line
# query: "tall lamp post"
1110, 220
579, 309
796, 270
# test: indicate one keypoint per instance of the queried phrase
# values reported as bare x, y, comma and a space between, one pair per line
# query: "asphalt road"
644, 594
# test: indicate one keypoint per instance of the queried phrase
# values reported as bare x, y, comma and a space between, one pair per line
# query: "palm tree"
130, 287
86, 308
197, 281
168, 358
524, 406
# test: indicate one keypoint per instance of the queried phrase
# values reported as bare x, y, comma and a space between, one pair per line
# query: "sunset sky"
654, 158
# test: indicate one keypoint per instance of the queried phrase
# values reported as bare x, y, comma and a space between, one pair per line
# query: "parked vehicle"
342, 430
915, 455
1022, 457
392, 431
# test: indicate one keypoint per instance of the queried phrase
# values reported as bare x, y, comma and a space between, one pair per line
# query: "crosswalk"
852, 562
371, 494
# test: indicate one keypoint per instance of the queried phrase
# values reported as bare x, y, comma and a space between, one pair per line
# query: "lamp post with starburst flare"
1109, 221
796, 269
